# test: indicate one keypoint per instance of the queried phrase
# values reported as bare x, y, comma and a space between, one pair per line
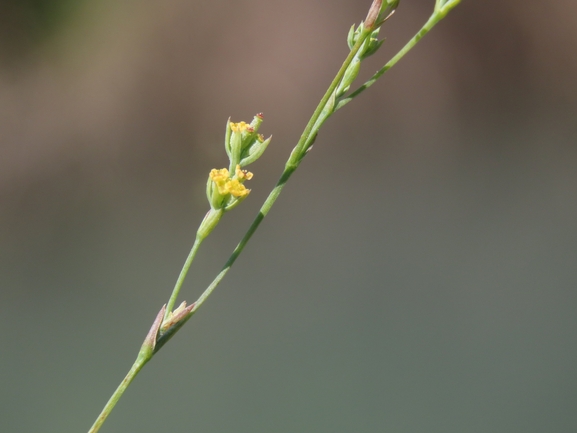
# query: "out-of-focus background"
418, 274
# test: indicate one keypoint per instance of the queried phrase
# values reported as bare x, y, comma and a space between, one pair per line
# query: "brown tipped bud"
150, 341
373, 14
176, 316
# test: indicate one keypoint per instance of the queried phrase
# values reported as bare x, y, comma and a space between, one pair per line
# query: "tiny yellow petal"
242, 174
240, 126
237, 189
218, 174
220, 178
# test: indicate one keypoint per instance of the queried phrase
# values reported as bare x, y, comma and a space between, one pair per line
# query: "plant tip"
373, 14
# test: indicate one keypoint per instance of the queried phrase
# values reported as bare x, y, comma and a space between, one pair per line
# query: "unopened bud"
373, 14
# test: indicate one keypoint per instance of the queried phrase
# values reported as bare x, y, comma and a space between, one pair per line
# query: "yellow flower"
220, 179
242, 174
237, 189
240, 127
226, 185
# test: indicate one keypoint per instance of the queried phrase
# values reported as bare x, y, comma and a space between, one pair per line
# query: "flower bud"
371, 45
254, 151
174, 317
350, 75
354, 34
327, 111
373, 15
243, 143
210, 221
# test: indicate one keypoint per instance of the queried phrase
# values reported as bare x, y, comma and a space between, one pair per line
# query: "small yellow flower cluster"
241, 127
242, 174
227, 185
243, 145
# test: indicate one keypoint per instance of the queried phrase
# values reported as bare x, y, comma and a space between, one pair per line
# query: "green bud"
176, 316
227, 138
254, 151
215, 198
148, 347
256, 122
371, 45
327, 111
241, 139
235, 144
350, 75
387, 10
353, 35
233, 202
209, 222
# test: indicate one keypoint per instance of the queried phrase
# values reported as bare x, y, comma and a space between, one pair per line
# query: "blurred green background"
417, 275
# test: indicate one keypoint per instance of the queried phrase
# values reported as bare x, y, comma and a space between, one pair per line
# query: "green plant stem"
431, 22
311, 130
296, 156
182, 276
291, 165
136, 367
144, 355
134, 370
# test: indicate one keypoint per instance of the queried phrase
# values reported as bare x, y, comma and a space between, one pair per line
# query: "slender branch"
136, 367
182, 276
155, 339
144, 355
291, 165
433, 19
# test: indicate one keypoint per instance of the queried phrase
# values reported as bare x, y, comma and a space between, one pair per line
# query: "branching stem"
442, 7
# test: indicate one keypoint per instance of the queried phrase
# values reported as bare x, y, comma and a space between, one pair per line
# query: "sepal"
255, 151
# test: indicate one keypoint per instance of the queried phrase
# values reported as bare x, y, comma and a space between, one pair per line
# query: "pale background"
418, 274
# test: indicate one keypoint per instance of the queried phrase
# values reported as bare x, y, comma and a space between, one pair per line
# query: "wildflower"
225, 191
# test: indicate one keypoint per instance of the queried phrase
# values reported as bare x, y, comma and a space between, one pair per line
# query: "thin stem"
212, 218
298, 151
136, 367
262, 213
182, 276
290, 167
433, 19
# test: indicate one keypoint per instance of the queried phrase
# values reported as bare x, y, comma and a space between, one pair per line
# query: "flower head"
237, 189
225, 191
241, 127
243, 143
242, 174
220, 179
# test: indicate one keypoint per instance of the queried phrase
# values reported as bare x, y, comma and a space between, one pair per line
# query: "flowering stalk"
243, 145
